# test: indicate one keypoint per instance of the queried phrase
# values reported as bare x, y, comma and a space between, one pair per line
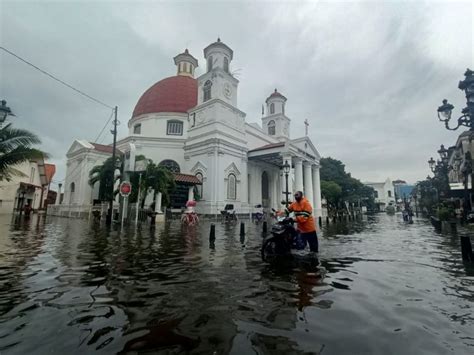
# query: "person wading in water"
306, 226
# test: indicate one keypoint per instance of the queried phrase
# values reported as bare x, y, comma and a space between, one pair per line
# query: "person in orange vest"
306, 226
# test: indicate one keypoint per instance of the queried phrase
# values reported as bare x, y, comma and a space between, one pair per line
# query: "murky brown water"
383, 287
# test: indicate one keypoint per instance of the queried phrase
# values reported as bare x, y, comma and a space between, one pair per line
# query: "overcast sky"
369, 76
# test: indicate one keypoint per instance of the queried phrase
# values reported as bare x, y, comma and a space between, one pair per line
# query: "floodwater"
382, 287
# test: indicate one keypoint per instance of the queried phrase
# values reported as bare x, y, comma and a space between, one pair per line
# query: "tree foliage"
155, 178
104, 174
16, 148
158, 179
338, 186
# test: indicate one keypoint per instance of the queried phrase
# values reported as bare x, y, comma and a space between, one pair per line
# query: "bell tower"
218, 82
275, 123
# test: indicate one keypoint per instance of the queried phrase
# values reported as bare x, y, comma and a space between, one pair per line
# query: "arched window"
137, 129
207, 90
271, 128
199, 188
272, 108
226, 64
231, 187
72, 189
171, 165
209, 63
174, 128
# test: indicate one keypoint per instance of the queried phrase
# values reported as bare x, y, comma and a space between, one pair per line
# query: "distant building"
31, 187
402, 189
384, 193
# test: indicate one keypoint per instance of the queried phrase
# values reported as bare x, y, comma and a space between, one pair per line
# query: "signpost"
125, 190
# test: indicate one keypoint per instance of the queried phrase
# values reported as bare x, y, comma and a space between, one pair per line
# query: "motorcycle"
282, 240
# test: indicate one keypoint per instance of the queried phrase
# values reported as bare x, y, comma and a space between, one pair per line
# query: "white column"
298, 174
58, 196
317, 192
191, 193
276, 198
244, 190
308, 183
158, 199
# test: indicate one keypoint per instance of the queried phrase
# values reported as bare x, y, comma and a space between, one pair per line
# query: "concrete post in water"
212, 236
212, 232
320, 220
466, 249
242, 228
327, 219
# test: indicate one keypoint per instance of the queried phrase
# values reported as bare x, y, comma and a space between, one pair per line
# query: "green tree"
332, 192
159, 179
352, 190
15, 148
104, 175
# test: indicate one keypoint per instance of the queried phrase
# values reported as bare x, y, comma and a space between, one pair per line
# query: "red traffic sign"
125, 188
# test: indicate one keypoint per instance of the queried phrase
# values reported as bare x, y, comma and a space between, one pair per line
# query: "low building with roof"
30, 186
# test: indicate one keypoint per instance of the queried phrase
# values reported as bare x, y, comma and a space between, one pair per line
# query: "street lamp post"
286, 171
108, 219
467, 118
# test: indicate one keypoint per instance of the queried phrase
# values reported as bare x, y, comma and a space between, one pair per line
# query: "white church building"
195, 128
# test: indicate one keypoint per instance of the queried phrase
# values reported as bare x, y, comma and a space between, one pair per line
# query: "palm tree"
159, 179
15, 148
103, 174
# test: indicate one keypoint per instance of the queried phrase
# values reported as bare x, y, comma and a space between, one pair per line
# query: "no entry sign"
125, 188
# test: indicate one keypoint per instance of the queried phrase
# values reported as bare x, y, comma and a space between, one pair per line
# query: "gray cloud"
368, 75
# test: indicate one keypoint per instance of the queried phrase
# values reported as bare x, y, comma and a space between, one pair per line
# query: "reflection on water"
382, 286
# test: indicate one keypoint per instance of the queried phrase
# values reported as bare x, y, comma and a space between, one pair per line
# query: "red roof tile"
173, 94
275, 94
50, 170
104, 148
187, 179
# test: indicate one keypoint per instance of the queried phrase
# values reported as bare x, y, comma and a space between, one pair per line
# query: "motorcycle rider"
304, 218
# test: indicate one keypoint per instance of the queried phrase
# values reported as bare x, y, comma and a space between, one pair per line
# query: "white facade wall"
155, 125
385, 192
9, 189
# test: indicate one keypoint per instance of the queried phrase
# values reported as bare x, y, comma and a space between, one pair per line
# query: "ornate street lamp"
432, 163
286, 170
467, 118
5, 111
443, 153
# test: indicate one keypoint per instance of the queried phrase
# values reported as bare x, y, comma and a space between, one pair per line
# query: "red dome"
173, 94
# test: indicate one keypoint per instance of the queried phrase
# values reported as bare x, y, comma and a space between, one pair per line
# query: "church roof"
173, 94
187, 179
275, 94
268, 146
220, 44
185, 56
105, 148
50, 170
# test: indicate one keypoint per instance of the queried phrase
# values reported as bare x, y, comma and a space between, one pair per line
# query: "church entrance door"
265, 190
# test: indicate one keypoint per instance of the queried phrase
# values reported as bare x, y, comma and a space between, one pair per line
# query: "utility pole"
108, 219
